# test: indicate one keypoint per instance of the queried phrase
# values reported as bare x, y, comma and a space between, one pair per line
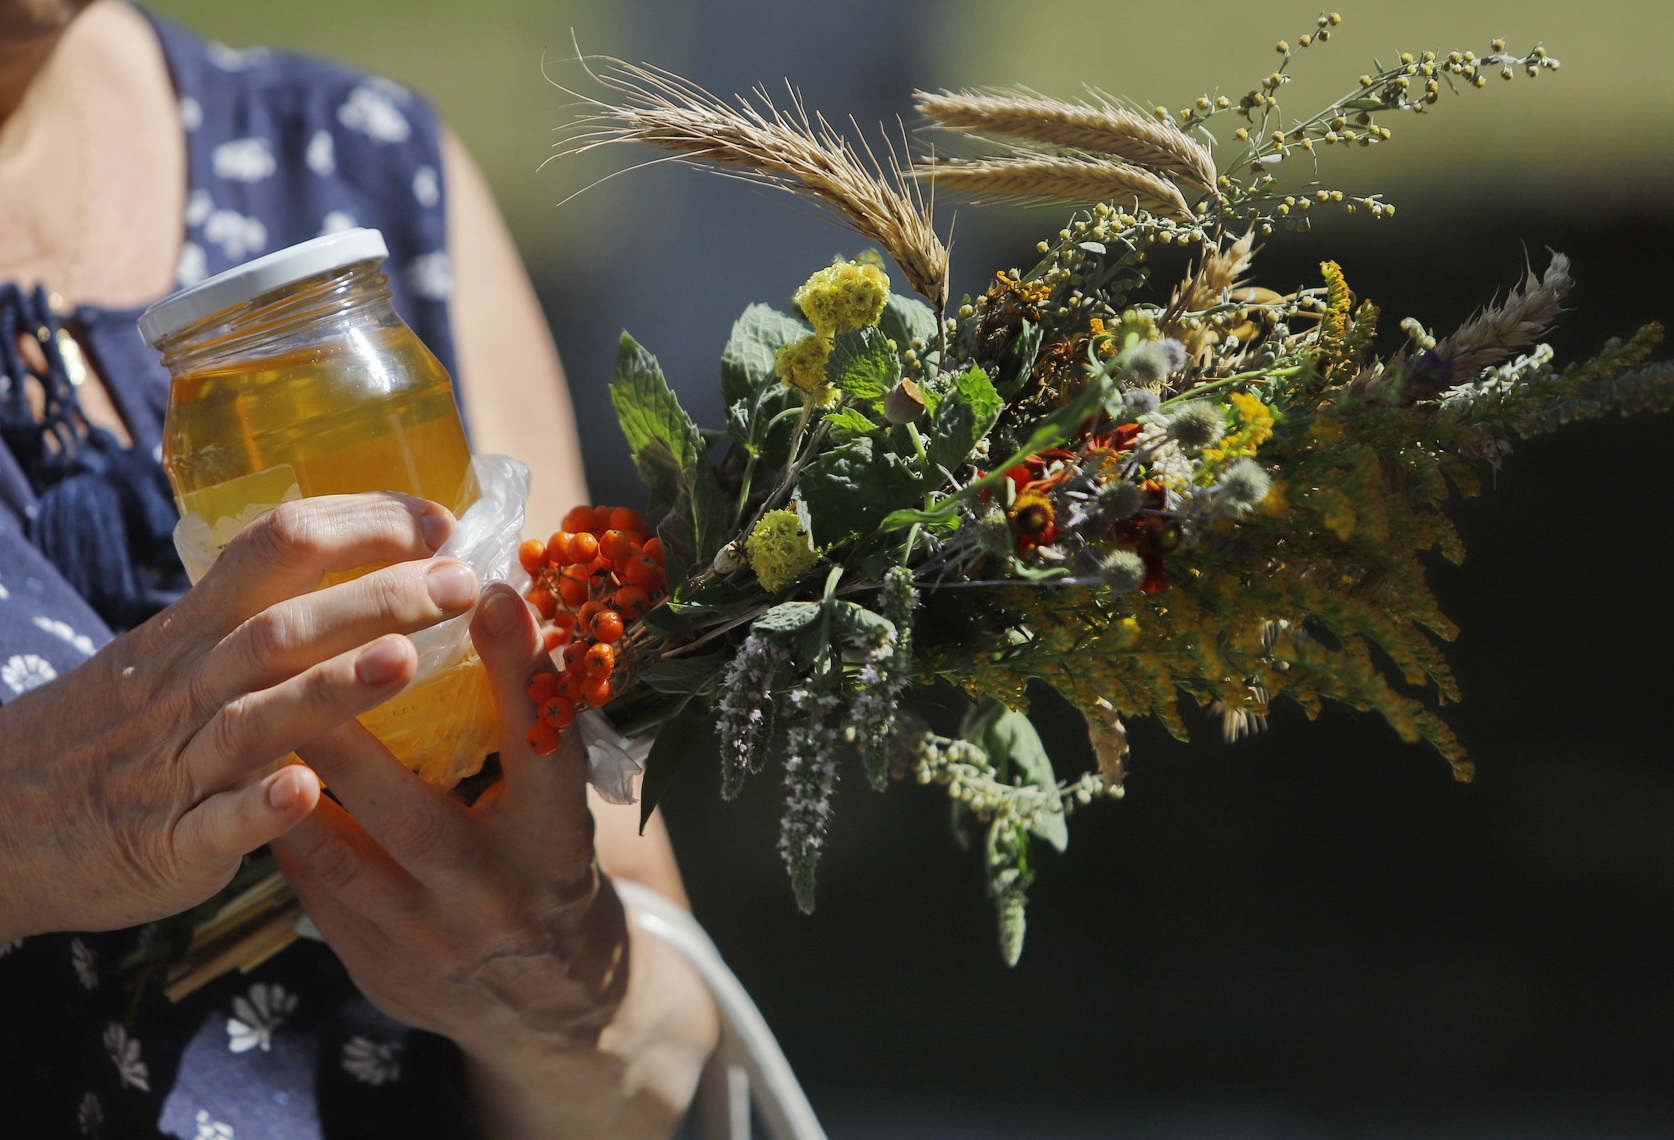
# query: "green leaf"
747, 359
670, 621
963, 417
787, 617
1366, 105
1011, 735
861, 624
850, 488
862, 364
682, 675
1048, 432
1019, 358
664, 441
905, 318
849, 422
662, 763
700, 519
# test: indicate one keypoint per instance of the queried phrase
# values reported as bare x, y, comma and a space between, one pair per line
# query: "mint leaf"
1010, 739
668, 453
674, 741
964, 415
849, 488
747, 359
863, 365
850, 422
905, 318
662, 437
1019, 358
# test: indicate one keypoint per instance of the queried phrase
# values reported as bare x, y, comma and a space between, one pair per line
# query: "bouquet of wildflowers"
1126, 472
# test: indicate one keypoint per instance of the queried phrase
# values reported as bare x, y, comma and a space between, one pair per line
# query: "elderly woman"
504, 990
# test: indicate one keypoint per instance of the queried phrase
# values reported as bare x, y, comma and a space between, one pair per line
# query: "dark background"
1312, 933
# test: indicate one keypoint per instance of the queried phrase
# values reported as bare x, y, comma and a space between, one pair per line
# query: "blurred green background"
1600, 129
1314, 934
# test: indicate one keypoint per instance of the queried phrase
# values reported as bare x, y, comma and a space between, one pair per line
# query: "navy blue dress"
281, 148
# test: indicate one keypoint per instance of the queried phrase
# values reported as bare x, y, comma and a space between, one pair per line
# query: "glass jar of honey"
293, 376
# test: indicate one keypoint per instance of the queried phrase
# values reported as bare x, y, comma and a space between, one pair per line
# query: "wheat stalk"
1033, 178
785, 150
1499, 330
1104, 127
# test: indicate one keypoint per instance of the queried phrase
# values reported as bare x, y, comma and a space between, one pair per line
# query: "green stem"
1242, 377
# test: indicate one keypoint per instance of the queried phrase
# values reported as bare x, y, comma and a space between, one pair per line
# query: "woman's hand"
491, 923
131, 787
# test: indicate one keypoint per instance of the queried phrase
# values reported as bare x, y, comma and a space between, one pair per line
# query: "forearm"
635, 1083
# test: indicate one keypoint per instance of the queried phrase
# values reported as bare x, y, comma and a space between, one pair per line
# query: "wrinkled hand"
488, 923
131, 787
491, 923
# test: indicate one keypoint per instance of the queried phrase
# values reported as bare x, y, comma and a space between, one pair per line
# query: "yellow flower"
801, 365
780, 550
843, 296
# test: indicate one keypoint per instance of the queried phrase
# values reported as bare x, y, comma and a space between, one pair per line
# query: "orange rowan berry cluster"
602, 571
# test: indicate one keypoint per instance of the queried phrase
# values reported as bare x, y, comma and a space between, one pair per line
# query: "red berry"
632, 601
599, 661
543, 686
542, 738
543, 601
653, 549
572, 590
601, 520
552, 637
579, 518
596, 691
573, 654
557, 548
583, 547
606, 626
557, 712
531, 555
626, 518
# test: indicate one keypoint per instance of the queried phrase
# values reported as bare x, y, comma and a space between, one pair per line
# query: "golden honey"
319, 389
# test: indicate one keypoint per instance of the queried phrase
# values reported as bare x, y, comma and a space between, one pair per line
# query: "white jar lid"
253, 278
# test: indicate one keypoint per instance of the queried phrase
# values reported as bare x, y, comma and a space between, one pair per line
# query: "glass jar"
293, 376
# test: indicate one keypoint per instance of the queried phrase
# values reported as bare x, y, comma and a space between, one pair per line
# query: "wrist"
635, 1080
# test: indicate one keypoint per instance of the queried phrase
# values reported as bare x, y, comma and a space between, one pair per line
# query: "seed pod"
905, 403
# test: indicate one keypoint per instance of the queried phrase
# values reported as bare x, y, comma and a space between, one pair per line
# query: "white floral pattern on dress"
82, 643
4, 593
192, 267
321, 154
258, 1014
336, 221
373, 113
24, 671
81, 957
243, 160
237, 235
211, 1129
90, 1115
124, 1052
431, 276
231, 59
191, 113
372, 1062
199, 205
427, 186
8, 947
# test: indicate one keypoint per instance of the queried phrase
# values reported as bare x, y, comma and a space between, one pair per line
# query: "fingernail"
499, 612
380, 662
283, 793
436, 526
451, 585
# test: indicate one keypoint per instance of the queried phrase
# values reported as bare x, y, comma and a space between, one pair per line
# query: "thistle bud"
1122, 570
904, 404
1116, 501
1137, 402
1198, 423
